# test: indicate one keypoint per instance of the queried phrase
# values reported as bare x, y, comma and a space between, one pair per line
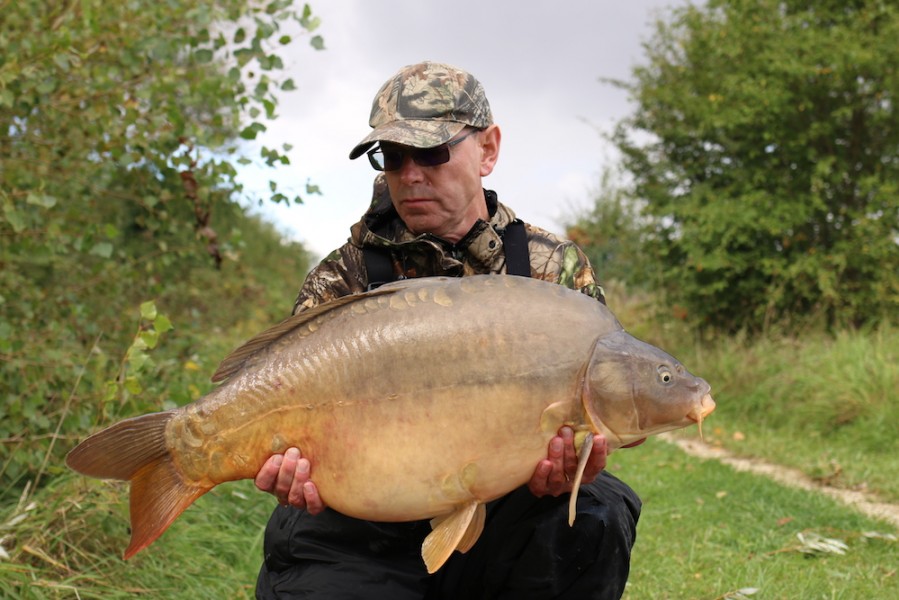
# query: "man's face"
445, 200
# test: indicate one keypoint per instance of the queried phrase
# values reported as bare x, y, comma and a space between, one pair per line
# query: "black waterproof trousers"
527, 551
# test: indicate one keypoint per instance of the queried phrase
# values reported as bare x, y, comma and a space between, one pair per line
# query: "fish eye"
665, 375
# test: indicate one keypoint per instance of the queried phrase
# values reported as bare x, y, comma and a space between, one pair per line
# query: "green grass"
71, 542
825, 405
707, 531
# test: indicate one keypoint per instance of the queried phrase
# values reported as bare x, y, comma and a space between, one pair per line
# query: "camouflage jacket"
343, 272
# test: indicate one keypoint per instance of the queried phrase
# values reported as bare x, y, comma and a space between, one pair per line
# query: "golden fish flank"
423, 399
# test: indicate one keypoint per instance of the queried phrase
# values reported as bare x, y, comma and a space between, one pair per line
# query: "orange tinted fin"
475, 529
135, 450
120, 451
158, 496
449, 533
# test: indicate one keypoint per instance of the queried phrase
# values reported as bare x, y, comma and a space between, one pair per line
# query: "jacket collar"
382, 227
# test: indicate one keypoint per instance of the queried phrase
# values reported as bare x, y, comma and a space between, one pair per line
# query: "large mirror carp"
423, 399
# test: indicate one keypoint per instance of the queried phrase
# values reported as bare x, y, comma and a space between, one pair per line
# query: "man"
433, 140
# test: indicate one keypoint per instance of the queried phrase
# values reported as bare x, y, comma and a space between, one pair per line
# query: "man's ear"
489, 139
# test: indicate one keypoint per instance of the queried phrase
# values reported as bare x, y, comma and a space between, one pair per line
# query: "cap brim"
409, 132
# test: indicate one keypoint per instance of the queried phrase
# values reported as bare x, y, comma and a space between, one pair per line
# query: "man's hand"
555, 475
286, 476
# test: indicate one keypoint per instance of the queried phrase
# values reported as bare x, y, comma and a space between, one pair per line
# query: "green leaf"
150, 337
317, 42
137, 355
14, 218
148, 310
252, 130
289, 85
162, 324
132, 384
42, 200
102, 249
46, 86
61, 60
203, 55
111, 391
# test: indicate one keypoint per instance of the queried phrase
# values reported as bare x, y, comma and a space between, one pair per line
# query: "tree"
120, 127
765, 144
610, 234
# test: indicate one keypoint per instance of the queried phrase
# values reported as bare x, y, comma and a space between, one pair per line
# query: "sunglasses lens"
393, 159
376, 158
431, 157
389, 159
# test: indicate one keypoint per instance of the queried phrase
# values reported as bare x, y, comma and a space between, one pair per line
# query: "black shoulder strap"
379, 262
515, 245
378, 266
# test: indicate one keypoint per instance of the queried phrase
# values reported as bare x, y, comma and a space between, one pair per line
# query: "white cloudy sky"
540, 62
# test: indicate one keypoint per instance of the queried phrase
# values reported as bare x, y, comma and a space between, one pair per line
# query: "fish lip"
704, 408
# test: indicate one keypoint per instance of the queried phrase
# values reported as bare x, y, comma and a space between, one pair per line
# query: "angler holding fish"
448, 376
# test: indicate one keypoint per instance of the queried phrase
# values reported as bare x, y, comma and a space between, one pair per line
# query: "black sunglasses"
391, 159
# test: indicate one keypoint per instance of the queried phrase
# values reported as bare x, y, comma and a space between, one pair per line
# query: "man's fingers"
286, 474
554, 475
569, 453
556, 450
268, 474
557, 479
314, 503
300, 476
537, 484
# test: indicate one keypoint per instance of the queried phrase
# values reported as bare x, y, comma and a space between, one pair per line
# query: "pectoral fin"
557, 414
475, 527
457, 531
583, 457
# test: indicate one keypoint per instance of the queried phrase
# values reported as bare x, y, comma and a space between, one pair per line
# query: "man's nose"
409, 171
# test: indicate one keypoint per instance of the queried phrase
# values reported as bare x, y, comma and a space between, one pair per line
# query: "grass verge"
822, 404
68, 544
708, 532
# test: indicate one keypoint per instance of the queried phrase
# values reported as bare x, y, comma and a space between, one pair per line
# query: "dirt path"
864, 502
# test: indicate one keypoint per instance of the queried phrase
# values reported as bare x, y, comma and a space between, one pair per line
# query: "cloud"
540, 63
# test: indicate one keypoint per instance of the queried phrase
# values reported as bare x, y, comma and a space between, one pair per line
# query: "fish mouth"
701, 411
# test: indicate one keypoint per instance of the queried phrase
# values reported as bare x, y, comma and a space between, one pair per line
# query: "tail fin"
135, 450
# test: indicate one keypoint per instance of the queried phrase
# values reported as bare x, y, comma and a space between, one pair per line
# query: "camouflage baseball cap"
425, 105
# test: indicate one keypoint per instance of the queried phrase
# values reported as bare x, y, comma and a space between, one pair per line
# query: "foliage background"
120, 129
763, 163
